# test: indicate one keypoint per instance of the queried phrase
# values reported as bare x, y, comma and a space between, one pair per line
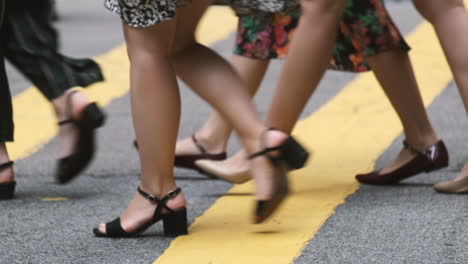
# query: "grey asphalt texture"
408, 223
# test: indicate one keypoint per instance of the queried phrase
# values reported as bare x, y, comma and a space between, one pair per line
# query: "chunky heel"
294, 154
7, 189
175, 224
175, 221
291, 156
93, 117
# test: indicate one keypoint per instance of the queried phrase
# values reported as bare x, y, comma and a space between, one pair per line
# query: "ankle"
267, 139
423, 142
158, 191
63, 104
212, 142
7, 175
176, 202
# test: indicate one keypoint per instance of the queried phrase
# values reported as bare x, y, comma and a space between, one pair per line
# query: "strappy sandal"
188, 161
291, 156
175, 222
7, 189
92, 117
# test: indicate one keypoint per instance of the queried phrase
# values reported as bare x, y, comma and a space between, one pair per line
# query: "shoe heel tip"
175, 234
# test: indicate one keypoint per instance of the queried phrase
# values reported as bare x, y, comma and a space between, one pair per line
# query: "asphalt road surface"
407, 223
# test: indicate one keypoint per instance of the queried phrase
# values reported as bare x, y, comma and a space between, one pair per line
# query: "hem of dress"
163, 19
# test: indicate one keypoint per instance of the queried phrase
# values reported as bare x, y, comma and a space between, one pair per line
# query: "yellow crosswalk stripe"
347, 135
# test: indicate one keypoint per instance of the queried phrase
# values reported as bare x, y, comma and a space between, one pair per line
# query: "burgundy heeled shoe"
432, 158
188, 161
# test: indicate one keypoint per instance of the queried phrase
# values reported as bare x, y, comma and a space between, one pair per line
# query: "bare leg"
395, 74
215, 133
308, 58
6, 175
214, 79
450, 21
154, 89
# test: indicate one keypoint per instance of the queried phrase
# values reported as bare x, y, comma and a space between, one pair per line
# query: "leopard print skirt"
145, 13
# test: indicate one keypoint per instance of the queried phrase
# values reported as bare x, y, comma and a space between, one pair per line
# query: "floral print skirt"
366, 29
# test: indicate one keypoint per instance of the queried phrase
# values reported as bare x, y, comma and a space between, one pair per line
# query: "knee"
431, 10
181, 47
147, 58
317, 8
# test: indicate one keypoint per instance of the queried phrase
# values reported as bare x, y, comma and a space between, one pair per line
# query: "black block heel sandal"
291, 156
91, 118
175, 221
7, 189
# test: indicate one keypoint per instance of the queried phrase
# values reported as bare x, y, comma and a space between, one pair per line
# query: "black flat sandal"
175, 222
7, 189
92, 117
291, 156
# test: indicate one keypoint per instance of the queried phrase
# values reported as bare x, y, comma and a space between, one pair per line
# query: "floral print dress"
366, 29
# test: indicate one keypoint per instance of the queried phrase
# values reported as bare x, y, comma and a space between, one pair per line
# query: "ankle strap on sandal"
413, 149
265, 151
6, 165
161, 202
68, 109
198, 145
64, 122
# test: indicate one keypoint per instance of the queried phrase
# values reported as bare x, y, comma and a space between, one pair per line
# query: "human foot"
193, 145
6, 173
70, 105
7, 177
234, 169
145, 210
189, 150
82, 119
411, 161
269, 166
457, 185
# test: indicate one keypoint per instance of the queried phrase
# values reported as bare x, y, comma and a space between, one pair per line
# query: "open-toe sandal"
174, 221
291, 155
90, 119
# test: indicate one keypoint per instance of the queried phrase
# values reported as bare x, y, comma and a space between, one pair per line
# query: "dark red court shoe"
188, 161
433, 158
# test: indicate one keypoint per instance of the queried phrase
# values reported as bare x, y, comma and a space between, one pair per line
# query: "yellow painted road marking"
347, 135
54, 199
35, 122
